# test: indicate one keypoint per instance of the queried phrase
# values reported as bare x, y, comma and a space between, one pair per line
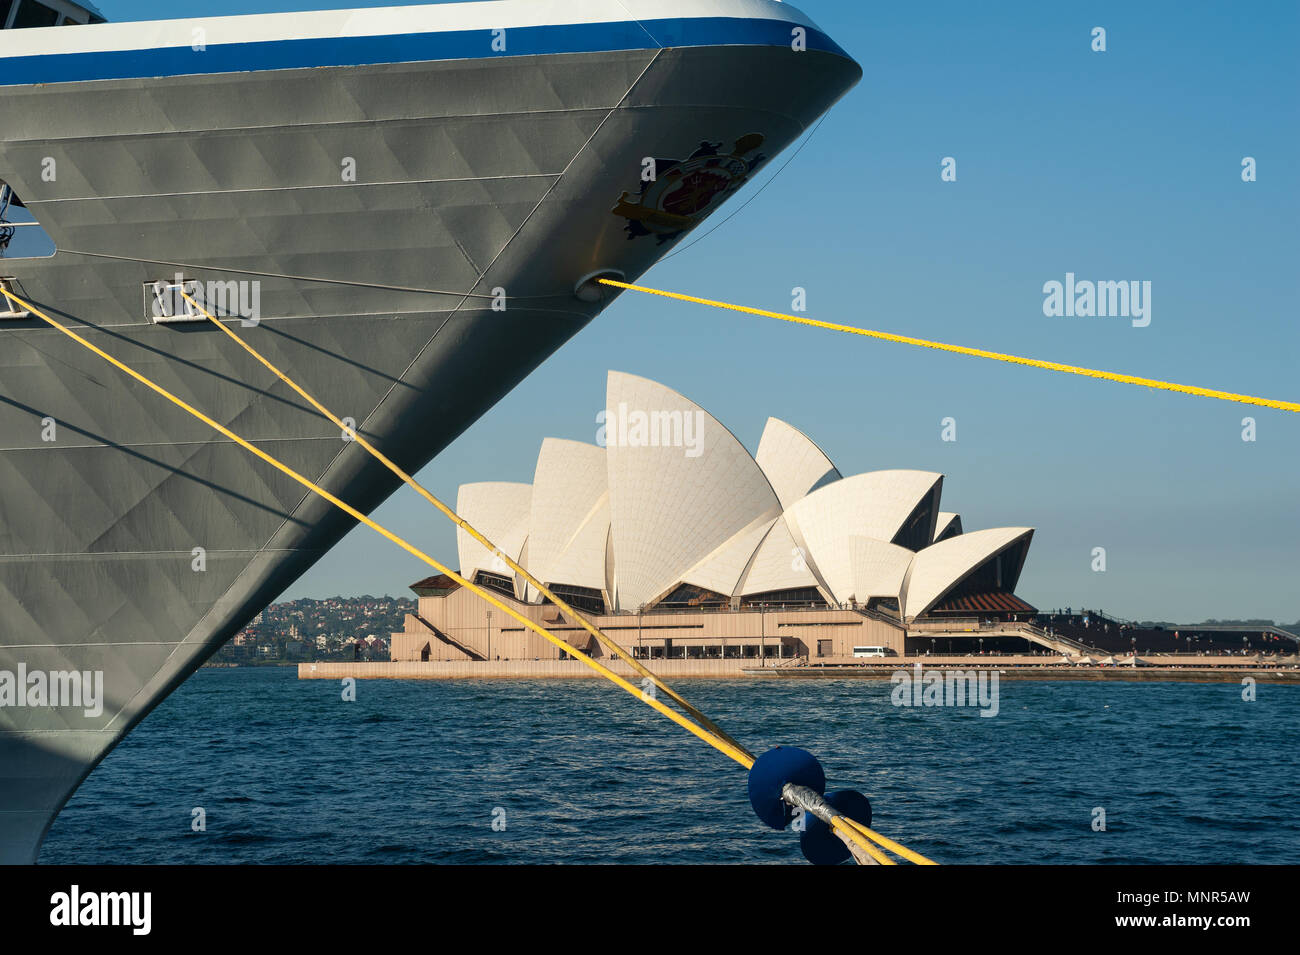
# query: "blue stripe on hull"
407, 48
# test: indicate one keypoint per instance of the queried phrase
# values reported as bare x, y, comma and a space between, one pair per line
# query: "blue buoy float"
820, 844
770, 773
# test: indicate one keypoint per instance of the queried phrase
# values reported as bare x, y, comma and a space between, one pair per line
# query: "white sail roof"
878, 568
674, 498
569, 515
721, 571
948, 525
779, 564
942, 566
794, 465
875, 505
500, 511
680, 485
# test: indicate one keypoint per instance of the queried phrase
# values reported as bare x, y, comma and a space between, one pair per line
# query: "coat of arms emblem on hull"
683, 190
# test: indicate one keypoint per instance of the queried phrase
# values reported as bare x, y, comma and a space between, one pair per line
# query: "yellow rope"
974, 352
848, 829
612, 645
908, 854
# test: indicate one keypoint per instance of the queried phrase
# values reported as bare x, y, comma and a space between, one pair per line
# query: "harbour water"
556, 771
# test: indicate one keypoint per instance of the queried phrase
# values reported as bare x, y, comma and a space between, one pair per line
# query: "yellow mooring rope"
973, 352
852, 832
612, 645
902, 850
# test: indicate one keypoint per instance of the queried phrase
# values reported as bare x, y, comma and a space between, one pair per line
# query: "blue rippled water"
413, 771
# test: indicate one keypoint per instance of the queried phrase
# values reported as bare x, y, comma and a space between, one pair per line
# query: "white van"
870, 651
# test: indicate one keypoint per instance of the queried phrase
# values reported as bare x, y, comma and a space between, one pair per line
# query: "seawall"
1011, 668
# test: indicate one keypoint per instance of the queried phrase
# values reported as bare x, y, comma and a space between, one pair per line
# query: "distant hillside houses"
335, 628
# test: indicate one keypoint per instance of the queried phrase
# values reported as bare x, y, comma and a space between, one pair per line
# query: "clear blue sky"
1120, 165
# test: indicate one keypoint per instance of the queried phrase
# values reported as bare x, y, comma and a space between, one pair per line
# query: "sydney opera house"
678, 543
